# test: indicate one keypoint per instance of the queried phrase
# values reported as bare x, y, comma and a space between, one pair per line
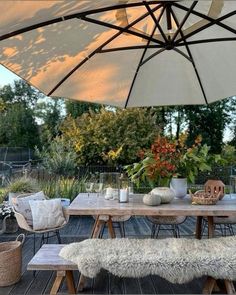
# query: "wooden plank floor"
105, 283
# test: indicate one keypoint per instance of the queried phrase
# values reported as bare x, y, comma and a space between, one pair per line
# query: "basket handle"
21, 238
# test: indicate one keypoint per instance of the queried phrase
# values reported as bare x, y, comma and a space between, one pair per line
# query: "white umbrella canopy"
125, 53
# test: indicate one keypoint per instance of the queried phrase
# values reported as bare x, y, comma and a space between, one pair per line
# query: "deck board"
79, 229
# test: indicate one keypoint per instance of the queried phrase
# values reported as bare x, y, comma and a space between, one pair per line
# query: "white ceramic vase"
179, 186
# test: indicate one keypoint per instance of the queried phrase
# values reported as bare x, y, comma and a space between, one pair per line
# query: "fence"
217, 172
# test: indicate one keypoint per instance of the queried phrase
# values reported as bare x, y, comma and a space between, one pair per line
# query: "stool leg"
153, 230
229, 287
57, 283
70, 282
102, 231
58, 236
208, 286
158, 230
123, 228
34, 243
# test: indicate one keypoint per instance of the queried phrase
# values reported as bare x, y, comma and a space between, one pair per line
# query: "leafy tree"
49, 114
20, 92
17, 123
110, 136
77, 108
18, 127
209, 121
229, 155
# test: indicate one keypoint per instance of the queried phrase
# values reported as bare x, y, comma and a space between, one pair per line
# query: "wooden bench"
47, 258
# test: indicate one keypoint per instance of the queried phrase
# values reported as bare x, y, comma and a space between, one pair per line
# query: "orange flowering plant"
171, 158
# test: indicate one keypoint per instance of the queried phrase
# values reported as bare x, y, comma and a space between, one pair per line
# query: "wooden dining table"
94, 204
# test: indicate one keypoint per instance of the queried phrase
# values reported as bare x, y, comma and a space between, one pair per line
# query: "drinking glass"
89, 187
98, 188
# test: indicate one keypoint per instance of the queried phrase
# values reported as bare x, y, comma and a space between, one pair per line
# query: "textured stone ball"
152, 200
166, 194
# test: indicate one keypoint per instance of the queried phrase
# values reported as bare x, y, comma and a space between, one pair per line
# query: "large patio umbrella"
123, 53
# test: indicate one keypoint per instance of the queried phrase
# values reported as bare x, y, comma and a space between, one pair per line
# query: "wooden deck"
79, 229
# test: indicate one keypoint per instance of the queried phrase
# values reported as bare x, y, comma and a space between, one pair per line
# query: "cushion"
21, 205
47, 214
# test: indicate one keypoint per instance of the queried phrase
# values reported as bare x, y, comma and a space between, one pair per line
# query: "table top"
93, 205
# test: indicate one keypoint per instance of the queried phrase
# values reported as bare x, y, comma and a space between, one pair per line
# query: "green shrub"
23, 185
59, 158
63, 187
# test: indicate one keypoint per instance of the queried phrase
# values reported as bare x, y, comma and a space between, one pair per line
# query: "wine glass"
89, 187
98, 188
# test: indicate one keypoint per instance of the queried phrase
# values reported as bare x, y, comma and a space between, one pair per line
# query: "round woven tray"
203, 198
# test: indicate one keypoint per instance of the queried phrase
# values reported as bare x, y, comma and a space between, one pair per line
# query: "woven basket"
203, 198
10, 261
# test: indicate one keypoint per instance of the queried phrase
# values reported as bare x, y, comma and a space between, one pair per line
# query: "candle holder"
124, 189
110, 184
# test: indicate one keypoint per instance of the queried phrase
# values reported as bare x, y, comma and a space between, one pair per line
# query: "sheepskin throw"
176, 260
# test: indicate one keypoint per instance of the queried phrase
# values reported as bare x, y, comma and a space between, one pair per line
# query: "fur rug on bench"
176, 260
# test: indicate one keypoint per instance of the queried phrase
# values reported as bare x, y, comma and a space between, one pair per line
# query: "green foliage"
229, 155
23, 185
3, 193
20, 92
17, 123
63, 187
209, 121
110, 137
18, 127
77, 108
58, 158
168, 158
49, 114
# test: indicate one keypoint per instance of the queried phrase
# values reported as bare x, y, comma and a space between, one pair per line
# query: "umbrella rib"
183, 54
155, 21
98, 49
71, 16
184, 20
211, 22
141, 59
208, 41
190, 55
129, 48
152, 55
101, 23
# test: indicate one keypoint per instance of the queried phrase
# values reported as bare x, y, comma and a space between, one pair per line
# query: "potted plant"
157, 164
172, 162
8, 223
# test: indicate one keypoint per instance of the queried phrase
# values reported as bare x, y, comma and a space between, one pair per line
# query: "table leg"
111, 228
94, 226
198, 233
97, 229
210, 227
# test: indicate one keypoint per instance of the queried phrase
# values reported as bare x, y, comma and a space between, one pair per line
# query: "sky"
6, 76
